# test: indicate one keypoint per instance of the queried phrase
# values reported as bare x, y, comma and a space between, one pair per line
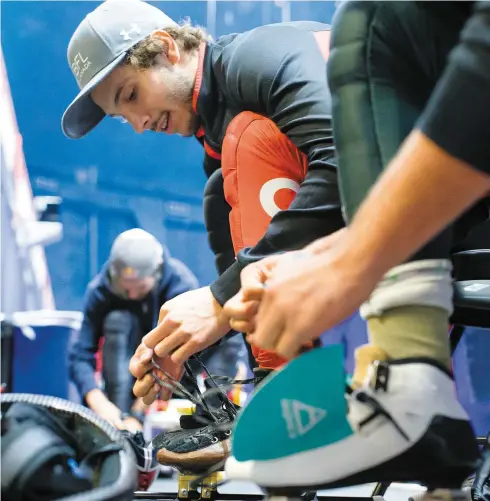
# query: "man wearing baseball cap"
260, 105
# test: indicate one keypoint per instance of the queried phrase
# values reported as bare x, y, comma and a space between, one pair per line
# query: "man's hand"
242, 308
301, 302
141, 367
188, 324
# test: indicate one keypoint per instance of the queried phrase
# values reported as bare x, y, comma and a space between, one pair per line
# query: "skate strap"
378, 410
300, 407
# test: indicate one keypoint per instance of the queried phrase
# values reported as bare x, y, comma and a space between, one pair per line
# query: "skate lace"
199, 399
378, 410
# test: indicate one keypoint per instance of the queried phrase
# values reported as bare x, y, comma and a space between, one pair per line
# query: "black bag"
53, 449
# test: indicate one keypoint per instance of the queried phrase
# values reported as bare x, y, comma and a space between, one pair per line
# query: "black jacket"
278, 71
457, 116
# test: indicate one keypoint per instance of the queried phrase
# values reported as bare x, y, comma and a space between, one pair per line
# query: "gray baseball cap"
135, 254
98, 45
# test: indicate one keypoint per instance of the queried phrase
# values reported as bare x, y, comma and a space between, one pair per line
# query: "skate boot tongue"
300, 407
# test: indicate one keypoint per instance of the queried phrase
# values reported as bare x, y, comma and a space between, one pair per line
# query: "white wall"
25, 282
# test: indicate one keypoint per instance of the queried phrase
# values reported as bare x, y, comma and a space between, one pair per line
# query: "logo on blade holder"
300, 418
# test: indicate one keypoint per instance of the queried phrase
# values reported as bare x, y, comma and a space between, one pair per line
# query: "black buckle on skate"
381, 375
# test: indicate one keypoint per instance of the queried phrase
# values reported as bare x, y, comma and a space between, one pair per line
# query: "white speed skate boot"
404, 424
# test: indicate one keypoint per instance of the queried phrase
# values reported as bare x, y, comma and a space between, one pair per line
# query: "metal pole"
211, 17
285, 6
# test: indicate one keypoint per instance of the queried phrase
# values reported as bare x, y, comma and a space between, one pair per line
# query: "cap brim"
83, 114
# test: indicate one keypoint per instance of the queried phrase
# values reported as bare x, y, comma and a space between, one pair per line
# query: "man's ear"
173, 52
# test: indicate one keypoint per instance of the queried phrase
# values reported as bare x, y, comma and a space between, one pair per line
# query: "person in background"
122, 303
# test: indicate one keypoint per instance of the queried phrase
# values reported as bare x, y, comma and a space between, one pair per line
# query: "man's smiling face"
158, 98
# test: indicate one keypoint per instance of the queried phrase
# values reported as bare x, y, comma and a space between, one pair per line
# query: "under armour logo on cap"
134, 29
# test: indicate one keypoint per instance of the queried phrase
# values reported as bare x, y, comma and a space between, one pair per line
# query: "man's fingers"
255, 275
143, 385
171, 343
162, 314
137, 369
266, 340
242, 315
233, 306
152, 395
241, 310
269, 325
140, 362
186, 351
160, 332
246, 326
171, 368
288, 345
145, 354
253, 293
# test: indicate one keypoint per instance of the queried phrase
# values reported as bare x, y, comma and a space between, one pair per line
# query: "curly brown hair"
188, 38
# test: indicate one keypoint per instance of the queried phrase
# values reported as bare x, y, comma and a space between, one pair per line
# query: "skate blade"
283, 498
206, 488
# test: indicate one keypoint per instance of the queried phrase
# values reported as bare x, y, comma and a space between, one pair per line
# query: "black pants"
123, 334
385, 60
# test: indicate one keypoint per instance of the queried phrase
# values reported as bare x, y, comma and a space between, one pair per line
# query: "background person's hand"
104, 408
130, 424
